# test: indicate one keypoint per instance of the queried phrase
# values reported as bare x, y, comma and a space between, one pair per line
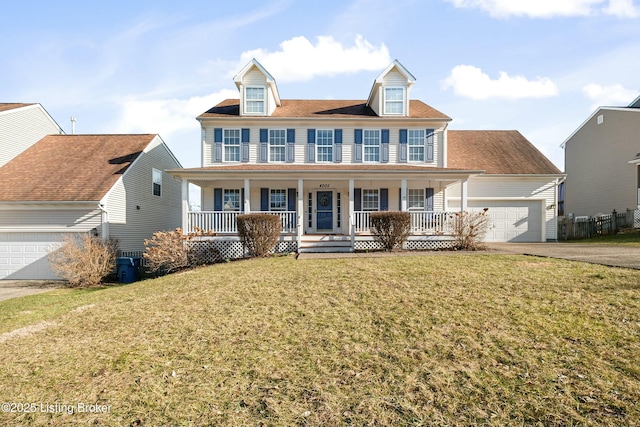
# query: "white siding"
514, 188
143, 212
51, 219
21, 128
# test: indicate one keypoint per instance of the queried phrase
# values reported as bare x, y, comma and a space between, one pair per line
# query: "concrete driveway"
610, 255
19, 288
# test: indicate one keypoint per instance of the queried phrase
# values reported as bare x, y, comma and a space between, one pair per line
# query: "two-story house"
602, 162
325, 165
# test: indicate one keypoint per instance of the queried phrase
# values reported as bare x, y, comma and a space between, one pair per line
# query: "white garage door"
512, 221
24, 255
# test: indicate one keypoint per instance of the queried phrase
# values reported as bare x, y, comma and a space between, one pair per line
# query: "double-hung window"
255, 101
324, 145
415, 141
370, 200
415, 199
394, 100
231, 200
371, 142
231, 142
157, 182
277, 145
278, 200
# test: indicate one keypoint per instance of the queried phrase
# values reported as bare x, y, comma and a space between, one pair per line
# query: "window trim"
421, 192
422, 145
281, 191
332, 146
401, 101
263, 101
283, 147
156, 173
377, 192
224, 204
225, 145
378, 145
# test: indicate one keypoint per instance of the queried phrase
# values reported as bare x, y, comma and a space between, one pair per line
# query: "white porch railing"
421, 222
225, 222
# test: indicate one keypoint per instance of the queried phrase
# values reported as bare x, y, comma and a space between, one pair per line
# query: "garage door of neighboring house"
23, 256
513, 221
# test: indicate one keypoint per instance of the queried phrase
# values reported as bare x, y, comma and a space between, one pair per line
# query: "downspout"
104, 219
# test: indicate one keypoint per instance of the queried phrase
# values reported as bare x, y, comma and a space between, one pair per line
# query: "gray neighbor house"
602, 162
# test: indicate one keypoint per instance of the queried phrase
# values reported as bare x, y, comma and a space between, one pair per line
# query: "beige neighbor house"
21, 126
602, 162
108, 185
324, 165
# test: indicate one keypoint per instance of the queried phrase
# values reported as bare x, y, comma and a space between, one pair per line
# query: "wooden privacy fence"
583, 227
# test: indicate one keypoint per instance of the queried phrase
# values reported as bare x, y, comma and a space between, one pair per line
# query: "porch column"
403, 195
463, 195
185, 206
352, 228
300, 212
247, 196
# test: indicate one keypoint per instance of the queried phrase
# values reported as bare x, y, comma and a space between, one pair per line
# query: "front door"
324, 211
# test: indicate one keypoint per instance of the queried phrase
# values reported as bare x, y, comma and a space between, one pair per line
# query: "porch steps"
325, 244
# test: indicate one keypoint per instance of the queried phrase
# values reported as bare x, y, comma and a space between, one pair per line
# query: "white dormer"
390, 92
258, 90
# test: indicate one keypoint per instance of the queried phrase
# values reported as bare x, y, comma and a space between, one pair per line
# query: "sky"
538, 66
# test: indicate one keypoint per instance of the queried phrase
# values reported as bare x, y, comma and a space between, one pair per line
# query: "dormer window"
255, 100
394, 101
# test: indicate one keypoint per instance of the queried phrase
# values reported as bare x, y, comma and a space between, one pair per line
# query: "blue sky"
538, 66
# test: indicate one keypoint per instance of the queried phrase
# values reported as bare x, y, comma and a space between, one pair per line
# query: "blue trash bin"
127, 270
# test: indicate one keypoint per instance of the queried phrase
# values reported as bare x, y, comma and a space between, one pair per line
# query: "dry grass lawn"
435, 341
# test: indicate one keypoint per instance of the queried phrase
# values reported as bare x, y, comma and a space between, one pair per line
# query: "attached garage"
513, 220
23, 256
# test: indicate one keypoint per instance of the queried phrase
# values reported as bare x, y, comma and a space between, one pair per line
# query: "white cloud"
551, 8
613, 95
470, 82
300, 60
165, 116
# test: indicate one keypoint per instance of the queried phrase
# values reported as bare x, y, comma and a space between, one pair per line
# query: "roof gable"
238, 79
499, 152
397, 67
70, 167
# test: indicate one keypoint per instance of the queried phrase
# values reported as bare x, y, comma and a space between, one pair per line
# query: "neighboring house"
109, 185
602, 162
21, 126
325, 165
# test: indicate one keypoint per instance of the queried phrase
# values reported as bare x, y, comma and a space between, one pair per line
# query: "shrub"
469, 228
84, 260
259, 233
165, 251
391, 229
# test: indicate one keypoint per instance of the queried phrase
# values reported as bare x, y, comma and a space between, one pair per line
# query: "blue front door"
324, 211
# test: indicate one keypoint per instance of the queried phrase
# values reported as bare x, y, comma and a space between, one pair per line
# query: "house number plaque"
325, 185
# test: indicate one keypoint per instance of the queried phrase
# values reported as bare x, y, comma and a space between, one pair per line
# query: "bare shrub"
390, 229
84, 260
469, 229
259, 233
165, 251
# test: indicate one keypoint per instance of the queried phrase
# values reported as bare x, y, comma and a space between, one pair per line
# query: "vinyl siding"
50, 219
599, 175
21, 128
515, 188
155, 213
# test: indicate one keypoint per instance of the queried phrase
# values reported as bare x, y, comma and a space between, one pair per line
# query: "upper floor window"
415, 140
277, 145
415, 199
324, 145
371, 142
394, 100
231, 200
231, 142
255, 100
156, 177
370, 200
278, 200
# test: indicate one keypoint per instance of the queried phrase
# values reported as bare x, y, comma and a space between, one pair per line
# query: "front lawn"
626, 239
420, 340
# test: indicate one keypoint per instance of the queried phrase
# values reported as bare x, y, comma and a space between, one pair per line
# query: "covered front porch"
328, 205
